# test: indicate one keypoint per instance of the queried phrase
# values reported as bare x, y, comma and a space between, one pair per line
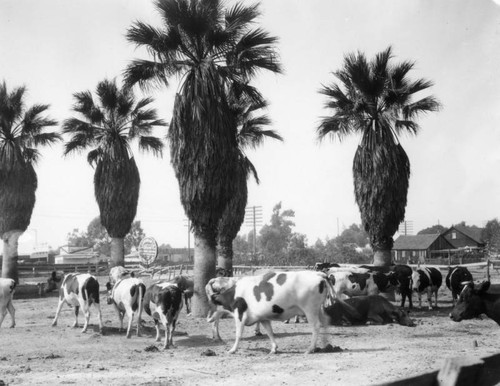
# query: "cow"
373, 309
127, 296
360, 283
323, 267
7, 289
456, 279
427, 279
399, 276
279, 296
117, 273
79, 290
186, 284
473, 302
163, 302
54, 281
220, 294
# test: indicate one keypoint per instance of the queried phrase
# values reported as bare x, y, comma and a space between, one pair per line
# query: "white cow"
7, 288
79, 290
220, 294
117, 273
127, 296
279, 296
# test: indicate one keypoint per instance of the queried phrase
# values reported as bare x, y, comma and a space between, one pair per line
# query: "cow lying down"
280, 296
373, 309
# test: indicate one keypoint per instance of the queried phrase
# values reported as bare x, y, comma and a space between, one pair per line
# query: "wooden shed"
418, 248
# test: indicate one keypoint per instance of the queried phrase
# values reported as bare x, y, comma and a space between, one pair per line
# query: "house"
78, 255
165, 256
418, 248
464, 237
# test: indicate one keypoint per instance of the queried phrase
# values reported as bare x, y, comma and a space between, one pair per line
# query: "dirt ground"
34, 353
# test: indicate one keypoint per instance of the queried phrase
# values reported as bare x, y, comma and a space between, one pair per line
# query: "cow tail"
141, 295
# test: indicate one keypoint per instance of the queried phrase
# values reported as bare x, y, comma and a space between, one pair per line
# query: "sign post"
148, 251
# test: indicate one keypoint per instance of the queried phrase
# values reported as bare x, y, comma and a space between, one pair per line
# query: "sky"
58, 47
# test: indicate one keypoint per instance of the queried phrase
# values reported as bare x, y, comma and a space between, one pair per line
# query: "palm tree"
251, 134
208, 48
108, 126
377, 100
21, 132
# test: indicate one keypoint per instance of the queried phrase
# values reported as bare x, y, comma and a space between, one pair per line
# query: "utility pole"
189, 238
253, 217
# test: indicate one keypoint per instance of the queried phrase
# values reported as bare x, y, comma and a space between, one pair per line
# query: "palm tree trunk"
9, 263
204, 270
225, 257
382, 257
117, 252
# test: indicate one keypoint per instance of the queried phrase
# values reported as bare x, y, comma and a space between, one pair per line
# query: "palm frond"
153, 144
146, 73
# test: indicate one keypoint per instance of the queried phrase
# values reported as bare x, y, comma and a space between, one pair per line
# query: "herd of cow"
327, 295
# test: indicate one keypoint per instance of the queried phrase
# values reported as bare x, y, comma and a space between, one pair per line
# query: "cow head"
54, 282
403, 318
415, 281
109, 298
470, 303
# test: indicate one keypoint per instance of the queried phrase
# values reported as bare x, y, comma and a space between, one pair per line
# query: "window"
453, 235
403, 254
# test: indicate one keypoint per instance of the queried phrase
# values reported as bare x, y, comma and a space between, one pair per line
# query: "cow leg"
157, 326
240, 326
375, 319
86, 312
269, 330
419, 299
58, 311
12, 312
429, 298
436, 297
120, 317
130, 316
315, 322
257, 329
2, 315
99, 316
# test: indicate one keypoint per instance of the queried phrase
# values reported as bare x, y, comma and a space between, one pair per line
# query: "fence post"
488, 269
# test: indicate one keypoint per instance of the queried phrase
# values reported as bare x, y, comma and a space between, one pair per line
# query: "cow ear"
483, 287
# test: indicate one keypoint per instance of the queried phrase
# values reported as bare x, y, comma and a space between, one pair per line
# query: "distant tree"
376, 100
435, 229
79, 238
21, 134
274, 238
491, 235
134, 236
354, 235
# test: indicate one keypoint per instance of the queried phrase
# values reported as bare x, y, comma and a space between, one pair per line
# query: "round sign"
148, 250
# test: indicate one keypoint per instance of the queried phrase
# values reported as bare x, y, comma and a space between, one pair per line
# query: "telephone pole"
253, 217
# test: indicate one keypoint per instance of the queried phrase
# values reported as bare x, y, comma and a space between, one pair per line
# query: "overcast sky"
58, 47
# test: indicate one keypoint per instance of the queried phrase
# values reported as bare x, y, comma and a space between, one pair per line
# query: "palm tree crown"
377, 99
111, 123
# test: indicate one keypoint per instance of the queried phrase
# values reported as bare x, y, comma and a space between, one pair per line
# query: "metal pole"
254, 235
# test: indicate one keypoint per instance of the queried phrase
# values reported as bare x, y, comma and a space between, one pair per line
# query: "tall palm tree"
108, 125
21, 132
377, 100
251, 134
208, 48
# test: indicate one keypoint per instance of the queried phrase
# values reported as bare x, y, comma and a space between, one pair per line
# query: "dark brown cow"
476, 301
373, 309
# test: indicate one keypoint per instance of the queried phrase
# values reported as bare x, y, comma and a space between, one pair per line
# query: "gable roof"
417, 242
472, 233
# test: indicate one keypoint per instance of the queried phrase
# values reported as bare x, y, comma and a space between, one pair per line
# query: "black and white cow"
79, 290
7, 289
399, 276
54, 281
127, 296
323, 267
427, 279
476, 300
117, 273
220, 294
358, 283
456, 279
279, 296
373, 309
163, 302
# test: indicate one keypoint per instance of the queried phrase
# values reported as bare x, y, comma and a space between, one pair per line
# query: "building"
79, 255
419, 248
464, 237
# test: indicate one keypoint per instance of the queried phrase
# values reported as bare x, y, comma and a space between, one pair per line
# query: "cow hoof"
12, 326
257, 333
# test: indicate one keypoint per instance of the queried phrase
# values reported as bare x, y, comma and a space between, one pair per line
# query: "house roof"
417, 242
473, 233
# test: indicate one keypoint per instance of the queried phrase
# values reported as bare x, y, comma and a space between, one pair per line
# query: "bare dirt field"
34, 353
